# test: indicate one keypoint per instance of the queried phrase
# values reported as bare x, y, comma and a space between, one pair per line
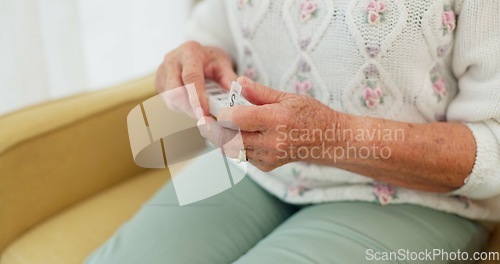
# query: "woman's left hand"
273, 128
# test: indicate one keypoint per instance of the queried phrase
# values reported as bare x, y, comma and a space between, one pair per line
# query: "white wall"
55, 48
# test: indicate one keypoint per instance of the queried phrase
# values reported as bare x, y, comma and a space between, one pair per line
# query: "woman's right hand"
192, 63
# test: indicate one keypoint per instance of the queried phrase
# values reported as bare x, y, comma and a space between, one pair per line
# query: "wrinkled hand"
271, 129
192, 63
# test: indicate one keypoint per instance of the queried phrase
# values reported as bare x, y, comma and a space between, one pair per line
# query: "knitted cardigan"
412, 61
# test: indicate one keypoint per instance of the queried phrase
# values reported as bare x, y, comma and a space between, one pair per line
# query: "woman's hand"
192, 63
283, 128
271, 128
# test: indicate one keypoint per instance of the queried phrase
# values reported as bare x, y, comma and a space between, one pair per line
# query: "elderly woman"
374, 134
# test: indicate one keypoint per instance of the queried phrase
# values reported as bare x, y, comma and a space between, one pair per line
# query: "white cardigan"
422, 66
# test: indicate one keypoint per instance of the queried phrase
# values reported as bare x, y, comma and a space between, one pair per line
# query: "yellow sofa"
67, 178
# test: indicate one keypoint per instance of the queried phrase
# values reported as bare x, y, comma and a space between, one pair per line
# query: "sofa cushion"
72, 235
58, 153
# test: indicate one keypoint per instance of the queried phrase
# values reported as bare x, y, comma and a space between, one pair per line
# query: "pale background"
55, 48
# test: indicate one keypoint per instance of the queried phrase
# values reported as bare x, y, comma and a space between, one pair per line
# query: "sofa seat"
71, 235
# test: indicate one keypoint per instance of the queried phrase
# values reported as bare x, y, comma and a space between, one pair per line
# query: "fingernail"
225, 119
204, 127
199, 112
243, 81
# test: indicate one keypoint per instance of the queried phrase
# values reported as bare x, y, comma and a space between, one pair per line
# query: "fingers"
219, 67
257, 150
194, 100
205, 125
247, 118
260, 154
228, 139
172, 89
259, 94
189, 66
233, 142
194, 80
177, 100
227, 76
222, 73
160, 78
173, 76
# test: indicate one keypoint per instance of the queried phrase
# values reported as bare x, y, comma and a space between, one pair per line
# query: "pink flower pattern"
375, 12
449, 21
438, 82
443, 50
303, 87
296, 190
373, 96
250, 72
372, 51
371, 71
466, 201
308, 9
439, 87
384, 193
243, 3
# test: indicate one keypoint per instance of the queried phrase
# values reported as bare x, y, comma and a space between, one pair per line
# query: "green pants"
245, 224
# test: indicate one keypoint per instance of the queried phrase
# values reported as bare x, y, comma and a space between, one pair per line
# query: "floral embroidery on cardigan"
247, 51
375, 12
439, 86
243, 3
304, 66
440, 117
308, 10
245, 31
251, 73
372, 50
384, 193
373, 95
371, 71
449, 20
303, 84
299, 187
442, 50
303, 43
466, 201
296, 190
438, 83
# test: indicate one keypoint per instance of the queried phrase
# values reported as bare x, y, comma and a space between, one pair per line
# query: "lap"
248, 225
351, 232
216, 230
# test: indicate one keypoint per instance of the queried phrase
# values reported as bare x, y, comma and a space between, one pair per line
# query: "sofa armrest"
55, 154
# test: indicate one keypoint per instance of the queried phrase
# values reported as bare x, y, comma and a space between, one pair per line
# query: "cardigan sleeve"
209, 25
476, 64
